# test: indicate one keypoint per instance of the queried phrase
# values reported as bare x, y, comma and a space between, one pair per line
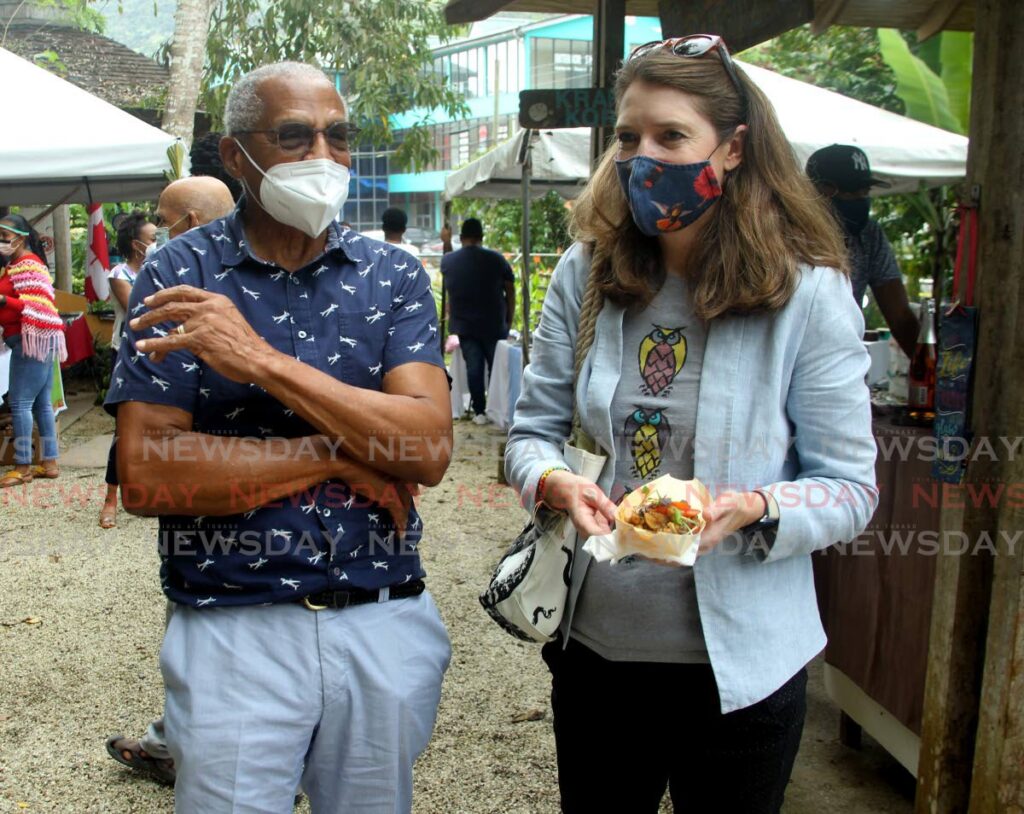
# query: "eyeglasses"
294, 137
161, 221
694, 45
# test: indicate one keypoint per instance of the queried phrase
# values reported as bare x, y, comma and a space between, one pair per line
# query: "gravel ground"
82, 619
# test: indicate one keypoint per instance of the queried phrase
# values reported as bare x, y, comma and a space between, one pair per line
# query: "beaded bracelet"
543, 480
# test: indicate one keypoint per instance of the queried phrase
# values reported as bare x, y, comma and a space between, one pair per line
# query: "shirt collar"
235, 250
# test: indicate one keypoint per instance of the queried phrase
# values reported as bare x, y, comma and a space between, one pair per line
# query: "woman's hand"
730, 512
589, 509
215, 331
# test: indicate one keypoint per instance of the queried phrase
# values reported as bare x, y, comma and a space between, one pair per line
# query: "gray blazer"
782, 405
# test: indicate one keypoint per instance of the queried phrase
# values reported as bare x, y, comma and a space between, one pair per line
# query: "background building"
497, 59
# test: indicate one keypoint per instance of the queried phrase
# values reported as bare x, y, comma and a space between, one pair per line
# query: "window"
561, 63
460, 148
368, 189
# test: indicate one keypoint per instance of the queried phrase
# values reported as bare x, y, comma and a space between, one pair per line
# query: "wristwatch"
760, 535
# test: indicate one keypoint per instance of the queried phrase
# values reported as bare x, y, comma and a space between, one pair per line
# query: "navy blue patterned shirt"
356, 312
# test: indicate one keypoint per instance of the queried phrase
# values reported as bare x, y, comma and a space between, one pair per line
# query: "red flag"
97, 260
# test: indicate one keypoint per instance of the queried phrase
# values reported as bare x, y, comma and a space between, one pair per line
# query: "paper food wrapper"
627, 539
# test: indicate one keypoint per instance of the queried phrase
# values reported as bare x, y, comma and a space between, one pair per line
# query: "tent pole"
526, 160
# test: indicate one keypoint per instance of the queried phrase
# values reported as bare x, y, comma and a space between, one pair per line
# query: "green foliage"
956, 54
79, 13
143, 25
920, 88
51, 61
176, 156
379, 50
503, 221
851, 61
843, 59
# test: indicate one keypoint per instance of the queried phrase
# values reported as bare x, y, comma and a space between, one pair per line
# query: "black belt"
337, 600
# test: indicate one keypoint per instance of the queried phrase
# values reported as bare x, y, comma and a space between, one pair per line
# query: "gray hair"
245, 107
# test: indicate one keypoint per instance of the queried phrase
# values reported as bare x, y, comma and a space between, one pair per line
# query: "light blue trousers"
261, 698
29, 394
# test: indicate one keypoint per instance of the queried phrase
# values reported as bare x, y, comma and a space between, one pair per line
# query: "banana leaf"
920, 88
957, 49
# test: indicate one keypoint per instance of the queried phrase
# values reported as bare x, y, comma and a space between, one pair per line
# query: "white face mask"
6, 248
304, 194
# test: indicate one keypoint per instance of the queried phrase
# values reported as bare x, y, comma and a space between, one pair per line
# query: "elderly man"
183, 205
279, 388
190, 202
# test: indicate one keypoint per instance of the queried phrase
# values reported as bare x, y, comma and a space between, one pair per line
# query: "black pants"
477, 352
111, 477
625, 730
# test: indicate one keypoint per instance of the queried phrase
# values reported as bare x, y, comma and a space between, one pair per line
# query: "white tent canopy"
74, 143
561, 161
902, 151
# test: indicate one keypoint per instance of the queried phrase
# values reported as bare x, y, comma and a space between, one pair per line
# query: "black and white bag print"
530, 586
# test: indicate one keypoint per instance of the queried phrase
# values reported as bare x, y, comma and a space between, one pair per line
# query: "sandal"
15, 478
108, 517
40, 471
130, 753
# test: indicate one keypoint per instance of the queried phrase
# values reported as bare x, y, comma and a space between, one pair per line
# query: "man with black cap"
481, 303
842, 174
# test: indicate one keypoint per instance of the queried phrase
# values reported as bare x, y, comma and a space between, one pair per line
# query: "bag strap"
590, 308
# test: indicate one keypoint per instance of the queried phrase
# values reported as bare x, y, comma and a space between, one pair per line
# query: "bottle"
921, 376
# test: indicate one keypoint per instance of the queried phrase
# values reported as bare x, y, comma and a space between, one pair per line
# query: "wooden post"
62, 246
972, 742
606, 54
998, 777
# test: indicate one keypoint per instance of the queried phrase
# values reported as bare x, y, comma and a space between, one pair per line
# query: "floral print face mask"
666, 197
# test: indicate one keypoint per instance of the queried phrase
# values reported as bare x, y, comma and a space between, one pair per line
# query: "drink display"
921, 376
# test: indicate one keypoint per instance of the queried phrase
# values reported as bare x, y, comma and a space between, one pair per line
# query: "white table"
506, 382
460, 384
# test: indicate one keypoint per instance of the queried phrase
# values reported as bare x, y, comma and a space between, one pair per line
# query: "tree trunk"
188, 56
998, 778
972, 743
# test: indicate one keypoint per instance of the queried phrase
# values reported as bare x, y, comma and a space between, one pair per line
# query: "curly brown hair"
768, 220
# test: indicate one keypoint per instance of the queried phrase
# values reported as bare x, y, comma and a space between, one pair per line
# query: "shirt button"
302, 334
337, 572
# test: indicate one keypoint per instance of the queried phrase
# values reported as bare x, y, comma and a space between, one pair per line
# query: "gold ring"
180, 330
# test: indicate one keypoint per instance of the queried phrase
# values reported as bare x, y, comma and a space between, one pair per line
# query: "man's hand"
215, 331
730, 512
589, 509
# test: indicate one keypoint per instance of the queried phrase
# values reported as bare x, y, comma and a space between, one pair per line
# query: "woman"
727, 347
34, 332
135, 234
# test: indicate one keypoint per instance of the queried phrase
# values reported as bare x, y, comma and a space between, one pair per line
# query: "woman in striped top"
34, 332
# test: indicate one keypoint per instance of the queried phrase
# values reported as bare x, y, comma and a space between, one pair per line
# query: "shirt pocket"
359, 347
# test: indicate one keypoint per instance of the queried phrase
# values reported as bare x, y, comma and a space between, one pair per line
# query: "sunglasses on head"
295, 137
692, 46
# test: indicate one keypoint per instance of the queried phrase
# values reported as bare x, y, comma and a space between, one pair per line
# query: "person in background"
842, 174
205, 160
183, 205
135, 234
728, 349
394, 222
190, 202
34, 332
481, 306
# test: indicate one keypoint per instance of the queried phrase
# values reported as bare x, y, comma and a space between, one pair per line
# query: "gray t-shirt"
638, 610
872, 262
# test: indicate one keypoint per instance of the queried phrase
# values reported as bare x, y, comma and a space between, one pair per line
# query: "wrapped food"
662, 520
